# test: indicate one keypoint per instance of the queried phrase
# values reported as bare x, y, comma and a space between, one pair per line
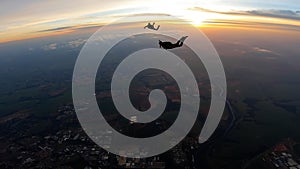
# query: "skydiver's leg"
177, 43
180, 44
182, 39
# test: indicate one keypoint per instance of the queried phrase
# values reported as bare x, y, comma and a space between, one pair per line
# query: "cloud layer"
272, 13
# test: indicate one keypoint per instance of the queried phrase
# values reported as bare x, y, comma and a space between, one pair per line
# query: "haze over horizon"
30, 19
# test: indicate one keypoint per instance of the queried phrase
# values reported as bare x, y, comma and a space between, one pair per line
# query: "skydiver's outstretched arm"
157, 27
154, 26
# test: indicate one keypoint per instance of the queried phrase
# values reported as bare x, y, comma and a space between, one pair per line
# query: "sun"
198, 18
196, 21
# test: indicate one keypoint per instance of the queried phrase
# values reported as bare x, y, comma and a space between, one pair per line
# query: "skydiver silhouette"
169, 45
151, 26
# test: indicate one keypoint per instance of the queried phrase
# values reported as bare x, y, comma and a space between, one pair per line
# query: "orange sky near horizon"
220, 24
17, 28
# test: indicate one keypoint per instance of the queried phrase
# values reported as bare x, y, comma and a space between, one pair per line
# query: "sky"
33, 18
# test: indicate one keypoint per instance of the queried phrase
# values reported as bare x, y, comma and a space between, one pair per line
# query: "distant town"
67, 146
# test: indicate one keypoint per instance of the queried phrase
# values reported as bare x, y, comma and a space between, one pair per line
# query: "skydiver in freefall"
151, 26
170, 45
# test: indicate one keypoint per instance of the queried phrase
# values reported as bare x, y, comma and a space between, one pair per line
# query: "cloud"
218, 12
272, 13
30, 49
56, 29
286, 14
76, 43
25, 20
52, 46
85, 27
279, 19
64, 45
68, 28
253, 24
200, 9
143, 14
262, 50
